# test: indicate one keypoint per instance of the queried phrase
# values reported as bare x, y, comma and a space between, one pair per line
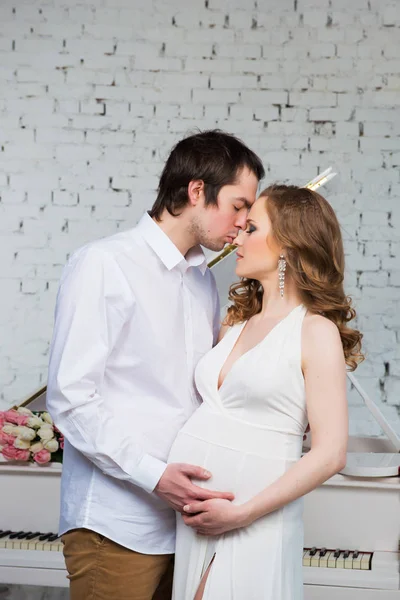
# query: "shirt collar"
166, 250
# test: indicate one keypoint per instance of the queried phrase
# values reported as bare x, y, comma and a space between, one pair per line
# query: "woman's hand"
214, 517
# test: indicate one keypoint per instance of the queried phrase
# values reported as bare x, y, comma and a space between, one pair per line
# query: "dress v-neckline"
241, 329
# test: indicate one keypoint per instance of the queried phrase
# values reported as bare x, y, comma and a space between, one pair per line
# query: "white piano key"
323, 561
365, 561
340, 561
307, 559
348, 562
315, 560
332, 560
357, 561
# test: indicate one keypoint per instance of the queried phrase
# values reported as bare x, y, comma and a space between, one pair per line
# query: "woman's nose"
238, 241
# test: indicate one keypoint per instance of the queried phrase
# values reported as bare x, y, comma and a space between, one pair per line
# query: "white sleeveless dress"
247, 433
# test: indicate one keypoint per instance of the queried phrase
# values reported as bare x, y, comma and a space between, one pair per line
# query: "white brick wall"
94, 95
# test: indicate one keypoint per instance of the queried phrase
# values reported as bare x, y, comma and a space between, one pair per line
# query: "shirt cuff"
149, 472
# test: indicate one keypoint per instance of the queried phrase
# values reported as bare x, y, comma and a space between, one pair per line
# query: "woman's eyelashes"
250, 228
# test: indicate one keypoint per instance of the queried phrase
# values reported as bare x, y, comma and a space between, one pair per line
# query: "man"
134, 314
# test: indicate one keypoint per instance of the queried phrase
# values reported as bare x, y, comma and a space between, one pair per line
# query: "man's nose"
241, 219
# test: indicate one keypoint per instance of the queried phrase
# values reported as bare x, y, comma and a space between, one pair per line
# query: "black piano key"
5, 533
336, 554
323, 551
356, 553
15, 534
313, 551
31, 536
53, 537
346, 554
45, 536
23, 535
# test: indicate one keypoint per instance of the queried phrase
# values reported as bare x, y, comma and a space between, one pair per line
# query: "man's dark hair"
215, 157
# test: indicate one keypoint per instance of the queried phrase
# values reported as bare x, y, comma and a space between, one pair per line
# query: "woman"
280, 364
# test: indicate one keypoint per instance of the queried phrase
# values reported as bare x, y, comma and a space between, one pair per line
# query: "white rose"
35, 422
47, 418
36, 447
25, 433
10, 429
25, 411
45, 432
51, 445
22, 444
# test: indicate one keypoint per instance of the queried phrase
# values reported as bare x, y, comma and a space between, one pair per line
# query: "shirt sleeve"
93, 304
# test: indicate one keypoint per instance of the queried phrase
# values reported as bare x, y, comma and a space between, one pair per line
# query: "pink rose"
61, 442
12, 453
6, 438
11, 416
42, 457
2, 418
9, 452
22, 419
22, 455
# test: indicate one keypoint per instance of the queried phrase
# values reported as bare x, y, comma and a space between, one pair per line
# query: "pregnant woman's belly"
242, 458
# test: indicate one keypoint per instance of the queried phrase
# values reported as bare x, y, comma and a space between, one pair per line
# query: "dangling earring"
281, 269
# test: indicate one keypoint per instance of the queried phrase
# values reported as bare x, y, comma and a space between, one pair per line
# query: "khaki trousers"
99, 569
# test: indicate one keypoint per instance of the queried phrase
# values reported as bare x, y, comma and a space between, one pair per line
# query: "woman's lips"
238, 256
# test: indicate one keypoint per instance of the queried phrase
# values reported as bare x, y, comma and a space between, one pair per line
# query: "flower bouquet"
30, 436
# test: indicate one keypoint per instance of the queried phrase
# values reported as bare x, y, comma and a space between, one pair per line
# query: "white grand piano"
352, 522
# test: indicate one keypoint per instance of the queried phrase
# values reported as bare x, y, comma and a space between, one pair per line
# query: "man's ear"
195, 191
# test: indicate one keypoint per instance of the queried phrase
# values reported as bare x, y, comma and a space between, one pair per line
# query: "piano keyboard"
337, 559
31, 558
29, 540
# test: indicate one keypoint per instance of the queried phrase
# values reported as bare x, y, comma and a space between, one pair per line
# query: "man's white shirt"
133, 317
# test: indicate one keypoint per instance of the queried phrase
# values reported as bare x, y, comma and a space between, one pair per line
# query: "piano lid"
376, 413
374, 464
37, 401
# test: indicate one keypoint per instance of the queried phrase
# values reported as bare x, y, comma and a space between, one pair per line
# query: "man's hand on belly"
176, 488
214, 517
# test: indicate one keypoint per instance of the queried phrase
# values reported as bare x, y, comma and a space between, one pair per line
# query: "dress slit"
206, 572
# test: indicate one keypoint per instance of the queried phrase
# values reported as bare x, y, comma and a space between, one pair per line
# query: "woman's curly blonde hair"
305, 225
